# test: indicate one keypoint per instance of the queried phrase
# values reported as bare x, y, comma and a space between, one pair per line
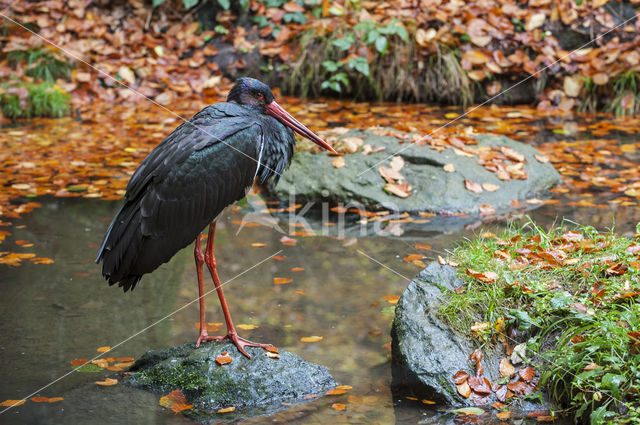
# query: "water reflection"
62, 311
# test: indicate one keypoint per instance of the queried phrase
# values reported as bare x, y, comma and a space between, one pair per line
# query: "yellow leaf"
227, 409
310, 338
103, 349
246, 327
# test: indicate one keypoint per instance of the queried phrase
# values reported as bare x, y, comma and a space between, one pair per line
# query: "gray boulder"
311, 177
426, 353
257, 386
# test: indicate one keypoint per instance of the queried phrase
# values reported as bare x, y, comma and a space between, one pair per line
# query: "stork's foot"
238, 341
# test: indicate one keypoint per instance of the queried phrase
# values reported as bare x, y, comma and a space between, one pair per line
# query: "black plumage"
204, 165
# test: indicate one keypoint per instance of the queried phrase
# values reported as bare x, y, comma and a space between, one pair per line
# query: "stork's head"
257, 95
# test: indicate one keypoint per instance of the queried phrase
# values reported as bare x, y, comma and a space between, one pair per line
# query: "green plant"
34, 100
584, 309
42, 64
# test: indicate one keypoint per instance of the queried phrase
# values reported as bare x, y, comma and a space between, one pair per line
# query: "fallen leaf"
449, 168
281, 280
338, 162
175, 401
12, 403
225, 410
490, 187
472, 186
103, 349
506, 368
223, 358
247, 327
107, 382
464, 389
310, 338
393, 299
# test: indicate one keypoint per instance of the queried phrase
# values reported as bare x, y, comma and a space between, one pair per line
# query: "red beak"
287, 119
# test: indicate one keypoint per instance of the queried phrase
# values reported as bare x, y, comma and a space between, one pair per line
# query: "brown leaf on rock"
480, 384
527, 373
464, 389
506, 368
460, 376
472, 186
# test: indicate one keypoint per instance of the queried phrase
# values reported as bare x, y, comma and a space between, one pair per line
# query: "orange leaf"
393, 299
103, 349
78, 362
411, 257
223, 358
175, 401
225, 410
338, 406
125, 359
46, 399
107, 382
12, 403
281, 280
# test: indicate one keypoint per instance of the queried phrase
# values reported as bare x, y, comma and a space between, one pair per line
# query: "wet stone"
312, 177
257, 386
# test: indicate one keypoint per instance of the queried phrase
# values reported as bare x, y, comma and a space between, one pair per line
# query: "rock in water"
359, 183
255, 386
426, 352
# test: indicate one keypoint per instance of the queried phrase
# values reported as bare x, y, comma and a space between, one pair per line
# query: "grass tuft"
576, 296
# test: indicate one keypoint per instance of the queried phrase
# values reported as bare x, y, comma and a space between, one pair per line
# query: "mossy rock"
256, 386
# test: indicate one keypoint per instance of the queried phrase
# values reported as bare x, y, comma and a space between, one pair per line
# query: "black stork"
204, 165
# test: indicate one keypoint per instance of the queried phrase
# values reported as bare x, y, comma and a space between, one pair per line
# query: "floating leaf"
175, 401
281, 280
310, 338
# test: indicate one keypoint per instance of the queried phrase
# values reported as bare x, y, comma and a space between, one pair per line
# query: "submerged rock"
255, 386
358, 183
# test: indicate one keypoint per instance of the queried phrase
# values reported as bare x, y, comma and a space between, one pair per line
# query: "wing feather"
182, 186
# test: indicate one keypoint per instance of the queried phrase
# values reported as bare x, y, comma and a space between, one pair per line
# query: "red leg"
232, 335
199, 256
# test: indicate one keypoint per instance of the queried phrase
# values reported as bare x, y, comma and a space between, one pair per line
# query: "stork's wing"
180, 188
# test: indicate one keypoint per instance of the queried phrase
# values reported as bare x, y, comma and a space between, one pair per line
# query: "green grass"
570, 304
42, 100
